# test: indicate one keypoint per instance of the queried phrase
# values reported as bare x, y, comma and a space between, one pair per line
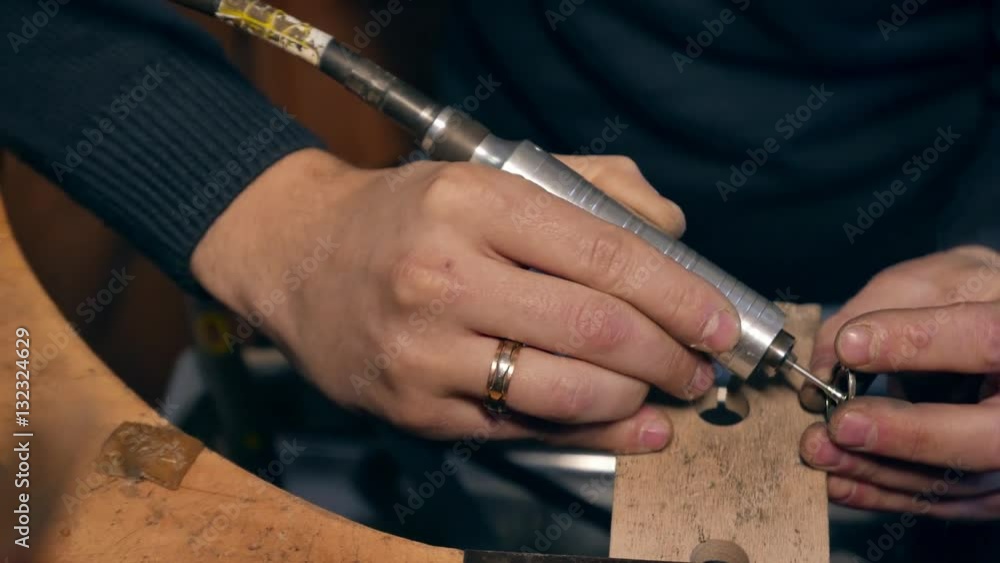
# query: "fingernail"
840, 489
855, 430
856, 345
721, 332
827, 456
654, 435
704, 379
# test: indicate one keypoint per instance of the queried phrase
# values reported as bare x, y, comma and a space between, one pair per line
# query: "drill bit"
829, 390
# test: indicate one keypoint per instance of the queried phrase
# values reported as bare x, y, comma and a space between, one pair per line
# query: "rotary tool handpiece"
450, 135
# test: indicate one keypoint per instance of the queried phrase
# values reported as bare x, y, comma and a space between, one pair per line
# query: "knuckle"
449, 190
459, 188
623, 163
414, 356
635, 398
412, 414
675, 219
678, 368
600, 324
919, 441
419, 168
865, 471
993, 447
416, 278
680, 300
609, 257
988, 331
975, 251
571, 396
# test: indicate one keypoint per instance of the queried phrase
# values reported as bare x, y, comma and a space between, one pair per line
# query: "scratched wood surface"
220, 513
743, 484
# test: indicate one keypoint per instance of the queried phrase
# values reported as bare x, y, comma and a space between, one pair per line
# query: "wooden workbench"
221, 513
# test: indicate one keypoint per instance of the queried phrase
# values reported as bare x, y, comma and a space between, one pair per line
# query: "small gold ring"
501, 371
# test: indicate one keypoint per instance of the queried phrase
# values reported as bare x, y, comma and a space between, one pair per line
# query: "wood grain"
220, 513
743, 483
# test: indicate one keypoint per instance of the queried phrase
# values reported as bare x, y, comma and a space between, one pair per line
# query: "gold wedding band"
501, 370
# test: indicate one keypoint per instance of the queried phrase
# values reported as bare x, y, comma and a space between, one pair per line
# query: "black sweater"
711, 85
838, 98
137, 115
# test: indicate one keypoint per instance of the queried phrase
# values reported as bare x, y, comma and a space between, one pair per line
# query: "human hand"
936, 314
403, 316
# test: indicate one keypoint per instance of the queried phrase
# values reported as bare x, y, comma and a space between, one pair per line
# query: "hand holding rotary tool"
448, 135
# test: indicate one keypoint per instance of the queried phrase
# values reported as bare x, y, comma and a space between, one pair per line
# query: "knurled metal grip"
761, 320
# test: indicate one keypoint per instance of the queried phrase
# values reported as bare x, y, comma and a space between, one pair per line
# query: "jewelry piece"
844, 381
501, 371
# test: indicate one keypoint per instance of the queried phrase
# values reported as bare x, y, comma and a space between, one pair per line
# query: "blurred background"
249, 404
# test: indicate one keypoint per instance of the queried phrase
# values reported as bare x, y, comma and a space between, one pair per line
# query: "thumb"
620, 178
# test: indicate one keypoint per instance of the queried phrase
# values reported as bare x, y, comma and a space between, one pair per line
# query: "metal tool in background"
449, 135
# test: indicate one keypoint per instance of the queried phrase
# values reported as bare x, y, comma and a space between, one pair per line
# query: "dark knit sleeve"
136, 114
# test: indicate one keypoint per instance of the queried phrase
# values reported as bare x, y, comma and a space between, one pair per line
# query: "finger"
823, 359
963, 436
874, 296
883, 292
546, 386
964, 338
878, 295
620, 178
566, 318
562, 240
647, 430
819, 452
855, 494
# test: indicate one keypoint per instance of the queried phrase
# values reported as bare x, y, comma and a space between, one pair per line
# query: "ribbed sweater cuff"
165, 159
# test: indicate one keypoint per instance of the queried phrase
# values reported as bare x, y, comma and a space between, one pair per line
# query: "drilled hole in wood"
723, 406
719, 551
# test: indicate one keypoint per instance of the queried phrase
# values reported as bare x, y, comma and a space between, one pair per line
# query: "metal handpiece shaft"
447, 134
761, 321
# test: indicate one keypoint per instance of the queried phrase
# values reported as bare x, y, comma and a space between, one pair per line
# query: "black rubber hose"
208, 7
